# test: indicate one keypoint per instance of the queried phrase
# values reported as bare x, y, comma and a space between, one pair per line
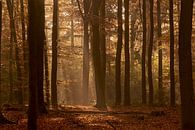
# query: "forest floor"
91, 118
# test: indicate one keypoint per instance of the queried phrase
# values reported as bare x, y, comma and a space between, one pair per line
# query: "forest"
110, 65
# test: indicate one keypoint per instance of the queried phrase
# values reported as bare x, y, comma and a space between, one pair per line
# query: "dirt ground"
91, 118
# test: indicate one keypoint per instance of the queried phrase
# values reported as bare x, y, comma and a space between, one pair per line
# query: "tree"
86, 52
0, 50
172, 75
96, 54
36, 42
24, 43
132, 41
144, 54
127, 56
185, 66
14, 41
3, 120
103, 44
46, 70
160, 76
150, 48
118, 54
54, 54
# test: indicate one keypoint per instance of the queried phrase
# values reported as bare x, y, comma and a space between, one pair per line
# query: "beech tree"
36, 43
144, 54
150, 50
54, 54
127, 56
185, 66
118, 54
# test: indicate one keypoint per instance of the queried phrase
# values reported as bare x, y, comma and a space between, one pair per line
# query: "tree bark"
54, 54
144, 55
47, 89
118, 55
0, 51
172, 75
160, 75
185, 66
24, 43
86, 54
150, 48
36, 42
127, 57
96, 52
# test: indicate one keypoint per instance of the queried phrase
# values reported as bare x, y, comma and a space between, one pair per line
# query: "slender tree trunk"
103, 46
144, 55
86, 53
160, 84
127, 56
150, 48
0, 51
47, 89
54, 54
185, 65
172, 75
72, 27
118, 55
24, 43
10, 58
133, 36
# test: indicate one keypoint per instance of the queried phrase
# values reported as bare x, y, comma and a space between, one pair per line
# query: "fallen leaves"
84, 118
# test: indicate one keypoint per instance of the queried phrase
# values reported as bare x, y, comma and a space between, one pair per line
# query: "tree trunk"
103, 45
150, 48
54, 54
160, 76
47, 89
72, 27
133, 36
86, 54
96, 52
127, 56
24, 43
144, 54
14, 41
172, 75
0, 50
185, 66
118, 55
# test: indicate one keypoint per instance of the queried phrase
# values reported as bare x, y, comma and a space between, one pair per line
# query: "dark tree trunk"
160, 84
100, 92
185, 65
24, 43
133, 36
150, 48
86, 53
72, 26
103, 46
47, 89
54, 54
172, 75
0, 50
144, 55
127, 56
36, 42
118, 55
